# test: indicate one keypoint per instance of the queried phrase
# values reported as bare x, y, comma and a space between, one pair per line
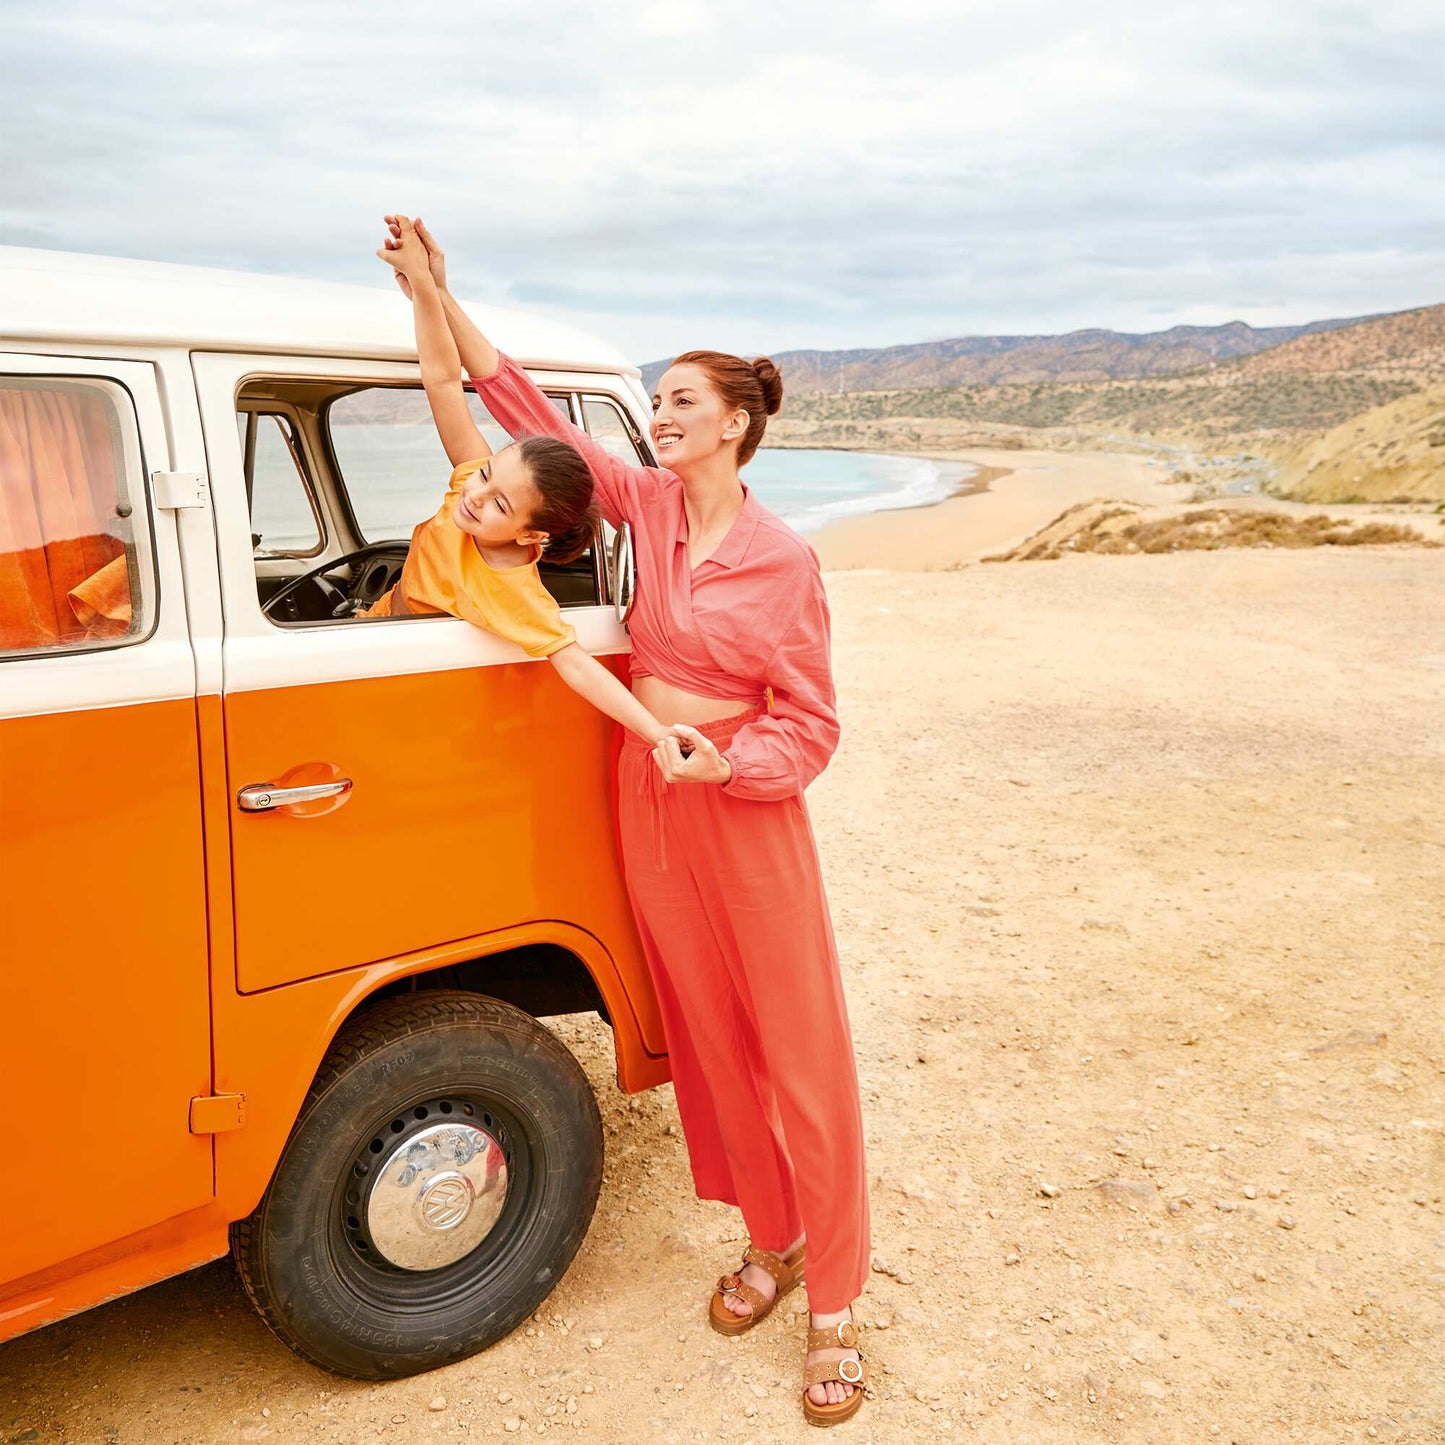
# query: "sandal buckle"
729, 1284
856, 1377
848, 1337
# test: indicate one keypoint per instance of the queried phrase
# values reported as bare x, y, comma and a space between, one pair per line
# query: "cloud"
757, 176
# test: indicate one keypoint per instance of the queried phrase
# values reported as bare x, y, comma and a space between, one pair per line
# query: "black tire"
303, 1256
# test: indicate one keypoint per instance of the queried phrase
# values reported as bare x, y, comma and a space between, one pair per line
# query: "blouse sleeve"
522, 408
782, 752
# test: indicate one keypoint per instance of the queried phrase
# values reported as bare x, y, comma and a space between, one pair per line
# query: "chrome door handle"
262, 797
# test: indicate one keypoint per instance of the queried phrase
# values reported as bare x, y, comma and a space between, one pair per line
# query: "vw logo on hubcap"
446, 1201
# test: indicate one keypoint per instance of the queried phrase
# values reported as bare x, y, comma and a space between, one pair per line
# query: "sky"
758, 175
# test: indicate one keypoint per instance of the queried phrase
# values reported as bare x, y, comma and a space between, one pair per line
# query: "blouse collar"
733, 547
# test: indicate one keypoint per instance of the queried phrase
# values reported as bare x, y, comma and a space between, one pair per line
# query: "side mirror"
623, 572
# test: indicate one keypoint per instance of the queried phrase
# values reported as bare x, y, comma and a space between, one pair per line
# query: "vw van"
285, 892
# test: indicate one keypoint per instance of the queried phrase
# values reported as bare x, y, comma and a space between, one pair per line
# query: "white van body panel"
89, 300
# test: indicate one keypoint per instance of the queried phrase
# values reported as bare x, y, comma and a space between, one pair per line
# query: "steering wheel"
331, 594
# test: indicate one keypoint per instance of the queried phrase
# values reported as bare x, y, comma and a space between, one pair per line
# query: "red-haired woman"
730, 642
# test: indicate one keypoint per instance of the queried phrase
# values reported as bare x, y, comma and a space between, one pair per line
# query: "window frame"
134, 472
296, 445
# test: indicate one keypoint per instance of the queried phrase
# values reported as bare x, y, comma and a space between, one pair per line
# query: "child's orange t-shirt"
445, 573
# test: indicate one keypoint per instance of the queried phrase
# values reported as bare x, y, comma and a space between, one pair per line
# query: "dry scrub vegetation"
1121, 528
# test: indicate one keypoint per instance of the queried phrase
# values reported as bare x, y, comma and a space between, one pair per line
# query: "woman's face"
690, 421
498, 501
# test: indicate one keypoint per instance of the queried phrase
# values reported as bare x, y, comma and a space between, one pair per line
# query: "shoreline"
1014, 493
1009, 496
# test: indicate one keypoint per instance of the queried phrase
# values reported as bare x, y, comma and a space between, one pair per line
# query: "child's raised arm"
590, 680
441, 363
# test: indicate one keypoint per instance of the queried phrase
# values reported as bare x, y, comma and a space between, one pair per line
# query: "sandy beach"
1022, 492
1135, 865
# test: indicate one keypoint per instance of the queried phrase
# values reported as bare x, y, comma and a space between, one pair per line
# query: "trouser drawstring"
656, 783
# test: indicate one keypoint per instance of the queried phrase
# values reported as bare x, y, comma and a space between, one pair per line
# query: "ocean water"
810, 489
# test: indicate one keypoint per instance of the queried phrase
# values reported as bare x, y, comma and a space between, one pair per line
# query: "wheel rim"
436, 1196
431, 1191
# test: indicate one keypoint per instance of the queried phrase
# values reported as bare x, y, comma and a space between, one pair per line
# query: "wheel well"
541, 979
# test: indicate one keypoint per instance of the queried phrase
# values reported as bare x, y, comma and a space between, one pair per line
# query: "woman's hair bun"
771, 380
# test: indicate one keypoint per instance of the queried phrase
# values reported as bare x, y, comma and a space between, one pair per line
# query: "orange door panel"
104, 1015
478, 801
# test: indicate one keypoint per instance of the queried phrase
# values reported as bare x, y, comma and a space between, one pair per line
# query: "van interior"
337, 475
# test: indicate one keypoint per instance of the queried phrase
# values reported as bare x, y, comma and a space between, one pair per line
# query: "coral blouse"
749, 621
444, 572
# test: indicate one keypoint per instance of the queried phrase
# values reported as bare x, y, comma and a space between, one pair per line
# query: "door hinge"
217, 1113
174, 490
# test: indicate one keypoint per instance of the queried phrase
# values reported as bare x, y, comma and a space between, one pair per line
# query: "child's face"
497, 502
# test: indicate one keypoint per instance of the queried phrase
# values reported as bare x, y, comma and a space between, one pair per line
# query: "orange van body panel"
480, 797
103, 1022
267, 1043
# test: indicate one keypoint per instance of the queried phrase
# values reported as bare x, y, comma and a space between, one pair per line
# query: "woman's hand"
704, 764
436, 260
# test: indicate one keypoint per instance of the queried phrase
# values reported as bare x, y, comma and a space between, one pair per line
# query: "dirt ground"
1137, 871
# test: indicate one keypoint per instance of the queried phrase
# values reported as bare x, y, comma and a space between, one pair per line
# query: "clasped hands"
700, 763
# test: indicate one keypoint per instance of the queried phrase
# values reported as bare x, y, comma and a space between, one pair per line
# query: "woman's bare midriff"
669, 704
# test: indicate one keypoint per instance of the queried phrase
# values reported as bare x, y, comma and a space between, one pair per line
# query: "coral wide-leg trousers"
734, 922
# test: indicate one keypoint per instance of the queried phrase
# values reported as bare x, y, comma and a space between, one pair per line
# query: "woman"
730, 641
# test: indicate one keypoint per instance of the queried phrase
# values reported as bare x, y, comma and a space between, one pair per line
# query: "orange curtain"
58, 493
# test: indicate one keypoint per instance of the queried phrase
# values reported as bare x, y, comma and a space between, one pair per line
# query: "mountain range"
1341, 411
1092, 355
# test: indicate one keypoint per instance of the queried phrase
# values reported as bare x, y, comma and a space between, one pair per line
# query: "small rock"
1013, 1259
1050, 1191
1152, 1388
1138, 1192
439, 1403
594, 1342
511, 1424
1225, 1206
1250, 1192
503, 1397
1095, 1383
1285, 1221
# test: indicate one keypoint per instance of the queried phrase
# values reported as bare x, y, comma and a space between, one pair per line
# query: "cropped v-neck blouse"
747, 624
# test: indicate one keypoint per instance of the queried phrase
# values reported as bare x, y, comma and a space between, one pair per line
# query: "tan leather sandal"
787, 1273
842, 1336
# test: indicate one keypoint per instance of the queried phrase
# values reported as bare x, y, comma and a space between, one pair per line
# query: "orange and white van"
283, 894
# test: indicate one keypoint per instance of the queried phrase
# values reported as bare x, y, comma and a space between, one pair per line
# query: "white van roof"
64, 296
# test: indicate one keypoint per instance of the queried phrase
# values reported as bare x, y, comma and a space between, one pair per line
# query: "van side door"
471, 785
104, 1003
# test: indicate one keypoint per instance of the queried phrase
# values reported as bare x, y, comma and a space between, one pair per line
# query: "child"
477, 557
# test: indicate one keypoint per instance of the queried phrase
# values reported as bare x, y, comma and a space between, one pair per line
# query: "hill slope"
1357, 412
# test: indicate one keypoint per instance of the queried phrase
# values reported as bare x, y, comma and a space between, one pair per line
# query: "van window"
394, 471
606, 425
284, 521
71, 575
390, 458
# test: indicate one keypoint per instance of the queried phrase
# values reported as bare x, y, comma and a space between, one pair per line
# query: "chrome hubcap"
437, 1196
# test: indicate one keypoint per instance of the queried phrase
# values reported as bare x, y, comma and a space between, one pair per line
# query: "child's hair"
565, 509
756, 386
